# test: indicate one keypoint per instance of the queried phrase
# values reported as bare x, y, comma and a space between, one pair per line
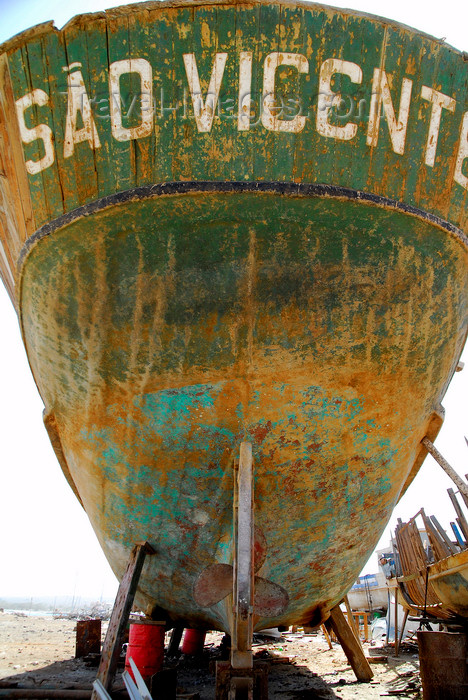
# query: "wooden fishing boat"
414, 554
370, 592
228, 222
432, 570
449, 578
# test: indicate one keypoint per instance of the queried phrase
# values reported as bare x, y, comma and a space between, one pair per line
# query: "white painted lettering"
327, 71
462, 154
269, 118
143, 68
40, 132
381, 96
78, 102
245, 87
204, 109
439, 102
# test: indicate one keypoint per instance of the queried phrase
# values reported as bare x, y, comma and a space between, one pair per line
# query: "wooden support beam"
399, 638
241, 682
461, 518
243, 570
457, 520
351, 620
439, 548
327, 637
457, 480
350, 645
366, 626
396, 621
443, 534
458, 537
174, 643
120, 614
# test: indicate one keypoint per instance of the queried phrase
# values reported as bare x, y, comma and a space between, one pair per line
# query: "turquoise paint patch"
173, 414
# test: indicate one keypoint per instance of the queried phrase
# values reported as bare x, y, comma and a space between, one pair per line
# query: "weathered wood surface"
118, 99
449, 577
211, 270
461, 520
351, 619
351, 646
448, 543
415, 588
449, 470
120, 613
159, 334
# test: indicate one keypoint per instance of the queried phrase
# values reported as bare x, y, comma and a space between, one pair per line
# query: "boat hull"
236, 221
174, 325
449, 578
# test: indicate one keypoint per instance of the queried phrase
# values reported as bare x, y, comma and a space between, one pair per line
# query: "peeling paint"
192, 279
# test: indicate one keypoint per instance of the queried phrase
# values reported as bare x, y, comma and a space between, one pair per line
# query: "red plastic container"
146, 647
194, 641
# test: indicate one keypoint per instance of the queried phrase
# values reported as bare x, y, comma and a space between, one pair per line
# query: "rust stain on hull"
202, 251
195, 349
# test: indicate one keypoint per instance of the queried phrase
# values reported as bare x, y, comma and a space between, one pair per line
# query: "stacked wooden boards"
432, 569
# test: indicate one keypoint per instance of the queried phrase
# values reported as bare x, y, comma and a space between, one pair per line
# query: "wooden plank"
40, 79
120, 614
225, 134
184, 128
246, 27
438, 545
365, 617
56, 58
141, 45
396, 621
458, 536
168, 94
327, 637
460, 529
123, 153
350, 645
399, 637
443, 534
13, 158
461, 518
205, 37
20, 86
174, 643
77, 76
265, 154
243, 584
351, 620
457, 480
413, 562
303, 154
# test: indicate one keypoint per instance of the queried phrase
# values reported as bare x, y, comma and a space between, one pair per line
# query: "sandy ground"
39, 652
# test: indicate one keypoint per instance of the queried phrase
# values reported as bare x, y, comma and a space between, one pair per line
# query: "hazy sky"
47, 545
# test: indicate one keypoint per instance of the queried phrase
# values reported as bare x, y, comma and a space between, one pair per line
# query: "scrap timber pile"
432, 569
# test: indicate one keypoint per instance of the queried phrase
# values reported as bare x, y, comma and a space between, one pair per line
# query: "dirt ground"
38, 652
